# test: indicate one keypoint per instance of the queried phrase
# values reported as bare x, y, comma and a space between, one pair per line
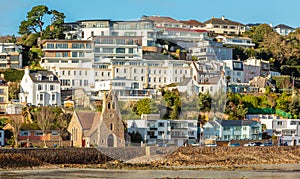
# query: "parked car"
250, 144
211, 145
269, 143
235, 144
258, 143
162, 145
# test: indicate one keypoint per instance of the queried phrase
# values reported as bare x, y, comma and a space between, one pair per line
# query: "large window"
1, 91
108, 50
77, 45
120, 50
64, 45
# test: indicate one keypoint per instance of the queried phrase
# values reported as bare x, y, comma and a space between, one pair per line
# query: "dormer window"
51, 77
39, 77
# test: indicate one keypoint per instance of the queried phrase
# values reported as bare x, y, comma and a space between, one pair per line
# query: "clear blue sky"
12, 12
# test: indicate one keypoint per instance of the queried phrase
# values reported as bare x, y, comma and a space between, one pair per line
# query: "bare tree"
16, 122
45, 118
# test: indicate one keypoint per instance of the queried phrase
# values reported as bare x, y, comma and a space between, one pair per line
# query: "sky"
274, 12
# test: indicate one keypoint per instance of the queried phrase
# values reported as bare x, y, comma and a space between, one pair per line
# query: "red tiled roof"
193, 22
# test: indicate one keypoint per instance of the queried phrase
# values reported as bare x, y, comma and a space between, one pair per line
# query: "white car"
250, 144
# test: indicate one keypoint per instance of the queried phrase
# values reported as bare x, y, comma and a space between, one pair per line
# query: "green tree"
34, 22
260, 31
173, 103
204, 102
143, 106
294, 107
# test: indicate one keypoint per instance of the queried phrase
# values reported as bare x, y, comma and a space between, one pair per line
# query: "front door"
110, 140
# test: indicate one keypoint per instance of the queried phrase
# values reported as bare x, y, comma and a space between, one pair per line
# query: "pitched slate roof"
283, 26
86, 119
230, 122
220, 21
235, 122
45, 76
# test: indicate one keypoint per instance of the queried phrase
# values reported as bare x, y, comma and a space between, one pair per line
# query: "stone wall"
61, 155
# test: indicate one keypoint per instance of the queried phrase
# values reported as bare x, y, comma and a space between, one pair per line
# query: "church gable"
111, 127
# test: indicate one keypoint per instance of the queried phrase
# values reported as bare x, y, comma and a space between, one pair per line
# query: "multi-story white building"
124, 89
171, 132
40, 88
286, 130
71, 61
232, 130
10, 55
116, 47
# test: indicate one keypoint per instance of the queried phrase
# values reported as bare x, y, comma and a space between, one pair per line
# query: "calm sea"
140, 174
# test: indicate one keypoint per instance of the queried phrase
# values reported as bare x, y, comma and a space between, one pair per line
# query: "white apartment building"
286, 130
171, 132
116, 47
71, 61
40, 88
10, 55
124, 89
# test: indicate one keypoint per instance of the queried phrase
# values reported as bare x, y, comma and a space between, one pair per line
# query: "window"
1, 91
120, 50
41, 97
1, 99
130, 50
51, 45
108, 50
53, 97
39, 87
161, 124
74, 54
279, 123
51, 87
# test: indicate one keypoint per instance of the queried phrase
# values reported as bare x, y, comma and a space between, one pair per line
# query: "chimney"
223, 17
27, 70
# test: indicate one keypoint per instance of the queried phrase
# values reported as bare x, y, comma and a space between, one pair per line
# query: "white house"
286, 130
40, 88
283, 29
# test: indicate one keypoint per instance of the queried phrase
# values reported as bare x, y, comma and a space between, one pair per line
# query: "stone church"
98, 129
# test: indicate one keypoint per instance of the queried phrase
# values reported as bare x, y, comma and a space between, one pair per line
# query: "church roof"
87, 119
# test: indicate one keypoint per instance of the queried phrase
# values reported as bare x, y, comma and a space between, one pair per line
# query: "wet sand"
271, 171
